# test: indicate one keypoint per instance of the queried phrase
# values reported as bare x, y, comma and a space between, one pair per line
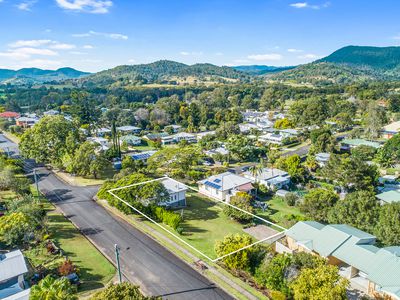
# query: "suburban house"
103, 142
274, 179
143, 156
12, 270
10, 115
101, 132
348, 144
373, 270
176, 138
220, 150
254, 116
131, 140
155, 136
175, 128
176, 191
51, 112
388, 197
129, 129
390, 130
26, 122
224, 186
272, 138
200, 135
246, 128
322, 158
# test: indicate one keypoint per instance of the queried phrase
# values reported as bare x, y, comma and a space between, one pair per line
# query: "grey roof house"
12, 270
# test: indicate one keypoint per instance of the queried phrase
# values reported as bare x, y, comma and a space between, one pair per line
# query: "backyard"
280, 212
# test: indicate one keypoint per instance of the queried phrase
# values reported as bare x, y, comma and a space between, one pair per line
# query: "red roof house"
9, 115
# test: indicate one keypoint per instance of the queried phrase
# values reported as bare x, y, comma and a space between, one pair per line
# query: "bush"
291, 199
66, 268
277, 295
169, 218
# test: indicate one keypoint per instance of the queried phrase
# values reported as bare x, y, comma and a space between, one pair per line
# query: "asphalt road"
143, 261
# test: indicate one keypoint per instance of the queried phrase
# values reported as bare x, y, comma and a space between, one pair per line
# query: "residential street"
143, 260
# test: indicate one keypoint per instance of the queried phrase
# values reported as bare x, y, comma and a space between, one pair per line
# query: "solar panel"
212, 184
217, 180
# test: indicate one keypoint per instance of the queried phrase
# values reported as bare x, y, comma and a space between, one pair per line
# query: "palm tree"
50, 288
257, 170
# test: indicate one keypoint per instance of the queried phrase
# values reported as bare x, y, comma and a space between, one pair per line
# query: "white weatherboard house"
270, 177
12, 270
224, 186
176, 191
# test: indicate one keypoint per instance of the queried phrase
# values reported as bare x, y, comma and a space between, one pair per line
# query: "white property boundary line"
179, 238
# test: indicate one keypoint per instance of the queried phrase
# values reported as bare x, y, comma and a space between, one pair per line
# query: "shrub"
291, 199
277, 295
66, 268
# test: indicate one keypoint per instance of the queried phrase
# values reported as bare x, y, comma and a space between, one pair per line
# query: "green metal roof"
359, 142
354, 247
389, 196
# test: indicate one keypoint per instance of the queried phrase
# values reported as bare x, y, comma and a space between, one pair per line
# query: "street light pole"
118, 264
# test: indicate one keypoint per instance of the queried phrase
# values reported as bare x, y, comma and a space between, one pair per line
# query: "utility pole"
36, 183
118, 265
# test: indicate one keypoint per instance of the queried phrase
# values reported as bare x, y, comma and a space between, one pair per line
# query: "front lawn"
205, 223
95, 270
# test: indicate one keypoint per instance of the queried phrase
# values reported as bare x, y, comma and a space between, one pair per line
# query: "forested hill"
348, 64
380, 58
163, 71
261, 69
35, 75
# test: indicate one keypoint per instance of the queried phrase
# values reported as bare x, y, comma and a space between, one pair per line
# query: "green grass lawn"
95, 270
278, 211
205, 223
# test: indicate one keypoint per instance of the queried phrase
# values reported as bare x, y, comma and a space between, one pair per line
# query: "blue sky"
93, 35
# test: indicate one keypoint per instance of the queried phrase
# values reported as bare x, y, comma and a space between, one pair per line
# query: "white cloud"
39, 43
193, 53
265, 57
293, 50
87, 47
115, 36
307, 5
219, 54
309, 56
61, 46
26, 52
89, 6
299, 5
29, 43
26, 5
131, 60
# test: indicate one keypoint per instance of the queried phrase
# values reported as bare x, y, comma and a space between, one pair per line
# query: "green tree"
46, 141
87, 162
240, 260
84, 109
122, 291
283, 124
374, 119
292, 165
50, 288
322, 283
363, 152
318, 202
14, 227
271, 273
388, 226
241, 200
389, 154
359, 209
